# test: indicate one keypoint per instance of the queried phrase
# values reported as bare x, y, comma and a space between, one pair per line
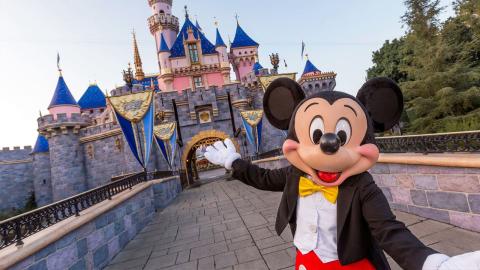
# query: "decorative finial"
306, 56
40, 112
58, 64
236, 18
186, 11
215, 21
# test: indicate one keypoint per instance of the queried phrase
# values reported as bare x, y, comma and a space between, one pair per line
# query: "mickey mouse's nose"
329, 143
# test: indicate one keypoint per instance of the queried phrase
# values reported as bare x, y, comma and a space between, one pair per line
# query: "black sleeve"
391, 234
264, 179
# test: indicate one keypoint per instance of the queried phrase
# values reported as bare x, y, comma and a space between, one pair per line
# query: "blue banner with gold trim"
135, 114
252, 122
166, 138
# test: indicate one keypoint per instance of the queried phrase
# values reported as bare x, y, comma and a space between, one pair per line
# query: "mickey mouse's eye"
316, 129
343, 130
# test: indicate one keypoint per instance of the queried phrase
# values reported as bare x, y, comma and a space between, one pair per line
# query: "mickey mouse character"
340, 219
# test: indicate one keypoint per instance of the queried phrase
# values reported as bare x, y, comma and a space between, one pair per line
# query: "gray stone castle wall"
42, 179
67, 165
16, 178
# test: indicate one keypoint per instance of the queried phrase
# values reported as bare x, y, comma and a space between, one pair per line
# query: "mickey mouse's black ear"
383, 100
280, 100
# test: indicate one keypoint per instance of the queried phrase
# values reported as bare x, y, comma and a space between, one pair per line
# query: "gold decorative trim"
265, 81
12, 162
96, 137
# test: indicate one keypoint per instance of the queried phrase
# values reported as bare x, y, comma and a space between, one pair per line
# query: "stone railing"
15, 229
92, 239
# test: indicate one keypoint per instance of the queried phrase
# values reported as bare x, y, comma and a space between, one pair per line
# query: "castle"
80, 145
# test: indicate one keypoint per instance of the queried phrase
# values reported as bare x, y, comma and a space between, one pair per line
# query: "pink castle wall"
181, 83
244, 69
215, 79
63, 109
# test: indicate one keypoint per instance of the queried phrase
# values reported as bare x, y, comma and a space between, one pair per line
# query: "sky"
94, 40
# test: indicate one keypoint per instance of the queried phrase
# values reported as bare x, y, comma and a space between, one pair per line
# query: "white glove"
218, 154
467, 261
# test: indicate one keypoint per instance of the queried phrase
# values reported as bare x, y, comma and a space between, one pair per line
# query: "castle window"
193, 51
162, 12
197, 80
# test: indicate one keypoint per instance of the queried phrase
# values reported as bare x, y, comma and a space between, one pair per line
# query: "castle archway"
190, 155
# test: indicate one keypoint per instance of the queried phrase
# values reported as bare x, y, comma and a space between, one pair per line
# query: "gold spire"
139, 75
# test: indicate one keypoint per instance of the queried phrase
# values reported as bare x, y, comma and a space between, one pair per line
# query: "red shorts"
310, 261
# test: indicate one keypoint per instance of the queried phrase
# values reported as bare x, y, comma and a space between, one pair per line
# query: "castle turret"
61, 129
244, 53
63, 100
42, 182
93, 101
221, 48
166, 75
163, 22
314, 80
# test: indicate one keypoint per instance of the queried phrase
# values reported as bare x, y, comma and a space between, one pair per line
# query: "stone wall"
164, 192
67, 167
42, 180
446, 194
95, 243
16, 178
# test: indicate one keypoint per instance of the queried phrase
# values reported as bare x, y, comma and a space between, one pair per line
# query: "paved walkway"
228, 225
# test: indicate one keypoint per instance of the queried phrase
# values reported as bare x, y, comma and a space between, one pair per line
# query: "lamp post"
275, 60
128, 77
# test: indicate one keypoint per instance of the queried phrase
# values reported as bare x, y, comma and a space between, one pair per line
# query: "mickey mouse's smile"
328, 177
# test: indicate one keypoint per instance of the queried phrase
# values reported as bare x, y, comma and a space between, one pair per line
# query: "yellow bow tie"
307, 188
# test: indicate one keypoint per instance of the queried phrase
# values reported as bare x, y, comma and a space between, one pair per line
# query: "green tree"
437, 66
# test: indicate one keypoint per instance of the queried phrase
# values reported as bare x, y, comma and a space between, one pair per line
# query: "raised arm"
264, 179
224, 154
399, 242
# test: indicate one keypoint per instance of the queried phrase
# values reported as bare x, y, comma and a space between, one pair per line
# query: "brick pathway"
228, 225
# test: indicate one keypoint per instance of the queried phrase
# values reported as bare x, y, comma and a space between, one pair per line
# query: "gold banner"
165, 131
265, 81
252, 117
133, 106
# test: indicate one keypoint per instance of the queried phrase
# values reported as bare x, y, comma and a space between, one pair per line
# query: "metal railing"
17, 228
468, 141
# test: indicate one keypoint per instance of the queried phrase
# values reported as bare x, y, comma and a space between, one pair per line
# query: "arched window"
310, 86
317, 86
162, 12
324, 85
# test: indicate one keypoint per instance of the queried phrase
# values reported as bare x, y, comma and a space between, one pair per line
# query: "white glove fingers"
230, 145
219, 146
210, 149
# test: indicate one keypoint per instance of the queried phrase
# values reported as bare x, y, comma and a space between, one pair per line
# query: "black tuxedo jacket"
365, 223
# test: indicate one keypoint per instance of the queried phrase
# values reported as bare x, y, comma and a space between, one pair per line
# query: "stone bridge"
228, 225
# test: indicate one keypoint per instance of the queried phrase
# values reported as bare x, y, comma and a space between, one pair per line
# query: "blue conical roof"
219, 42
309, 67
198, 25
62, 95
41, 145
92, 98
178, 49
256, 68
163, 44
242, 39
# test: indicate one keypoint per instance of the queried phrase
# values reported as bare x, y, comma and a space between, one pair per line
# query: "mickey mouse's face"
330, 134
